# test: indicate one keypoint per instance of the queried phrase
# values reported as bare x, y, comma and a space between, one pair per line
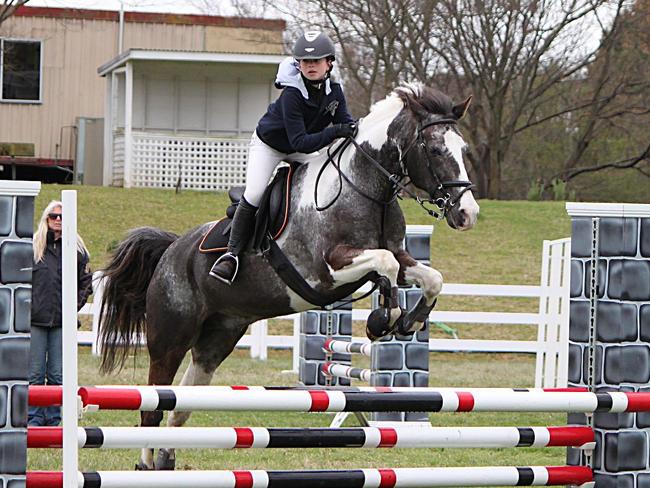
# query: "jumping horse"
346, 227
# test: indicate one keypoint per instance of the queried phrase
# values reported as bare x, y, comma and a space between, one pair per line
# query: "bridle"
440, 197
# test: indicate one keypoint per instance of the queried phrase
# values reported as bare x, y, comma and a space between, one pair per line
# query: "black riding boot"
225, 268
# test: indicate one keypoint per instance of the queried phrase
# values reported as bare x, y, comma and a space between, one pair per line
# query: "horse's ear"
460, 110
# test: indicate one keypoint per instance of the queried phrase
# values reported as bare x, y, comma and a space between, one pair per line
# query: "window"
20, 70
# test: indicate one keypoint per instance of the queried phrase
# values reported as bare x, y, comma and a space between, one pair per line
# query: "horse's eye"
434, 151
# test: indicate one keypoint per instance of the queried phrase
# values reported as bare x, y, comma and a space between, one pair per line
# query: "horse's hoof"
378, 324
140, 466
165, 462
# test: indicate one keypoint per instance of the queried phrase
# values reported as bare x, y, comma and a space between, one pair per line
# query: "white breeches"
262, 160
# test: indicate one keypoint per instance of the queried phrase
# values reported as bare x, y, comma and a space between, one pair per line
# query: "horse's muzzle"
464, 214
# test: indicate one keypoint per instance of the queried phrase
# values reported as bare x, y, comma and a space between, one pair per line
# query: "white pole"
69, 314
120, 33
128, 125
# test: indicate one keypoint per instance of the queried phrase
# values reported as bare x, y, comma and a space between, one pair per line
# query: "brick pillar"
609, 332
16, 228
313, 333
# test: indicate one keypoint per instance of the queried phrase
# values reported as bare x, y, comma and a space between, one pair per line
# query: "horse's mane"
413, 95
416, 97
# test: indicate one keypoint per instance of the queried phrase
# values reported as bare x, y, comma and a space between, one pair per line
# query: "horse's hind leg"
161, 372
170, 334
217, 340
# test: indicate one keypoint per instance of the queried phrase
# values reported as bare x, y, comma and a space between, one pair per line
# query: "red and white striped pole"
342, 371
362, 437
364, 478
344, 347
149, 398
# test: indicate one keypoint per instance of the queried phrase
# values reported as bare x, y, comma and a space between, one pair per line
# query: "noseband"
440, 196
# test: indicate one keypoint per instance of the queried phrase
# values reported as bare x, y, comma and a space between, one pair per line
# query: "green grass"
505, 248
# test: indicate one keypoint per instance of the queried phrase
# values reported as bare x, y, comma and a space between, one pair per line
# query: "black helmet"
314, 45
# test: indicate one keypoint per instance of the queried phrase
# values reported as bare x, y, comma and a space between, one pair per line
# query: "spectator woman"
46, 354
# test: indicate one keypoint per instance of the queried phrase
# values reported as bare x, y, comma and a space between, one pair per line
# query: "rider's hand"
344, 130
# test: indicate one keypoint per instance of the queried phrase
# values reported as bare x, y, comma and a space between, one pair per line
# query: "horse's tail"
126, 279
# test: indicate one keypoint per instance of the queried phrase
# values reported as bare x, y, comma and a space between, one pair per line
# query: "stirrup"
227, 256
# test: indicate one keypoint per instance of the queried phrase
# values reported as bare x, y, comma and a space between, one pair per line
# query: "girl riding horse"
295, 125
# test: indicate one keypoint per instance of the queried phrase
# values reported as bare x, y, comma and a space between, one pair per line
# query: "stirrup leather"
227, 256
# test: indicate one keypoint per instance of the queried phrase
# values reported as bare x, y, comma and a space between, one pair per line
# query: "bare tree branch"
627, 163
8, 7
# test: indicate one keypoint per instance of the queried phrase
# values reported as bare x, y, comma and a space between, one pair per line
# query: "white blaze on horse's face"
467, 205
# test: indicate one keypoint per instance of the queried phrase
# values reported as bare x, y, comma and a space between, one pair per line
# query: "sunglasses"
54, 216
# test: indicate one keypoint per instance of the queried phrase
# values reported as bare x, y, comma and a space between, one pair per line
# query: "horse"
345, 227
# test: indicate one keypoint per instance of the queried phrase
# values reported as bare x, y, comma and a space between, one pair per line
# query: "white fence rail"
551, 319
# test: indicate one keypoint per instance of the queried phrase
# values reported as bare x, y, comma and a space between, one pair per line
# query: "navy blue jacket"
295, 124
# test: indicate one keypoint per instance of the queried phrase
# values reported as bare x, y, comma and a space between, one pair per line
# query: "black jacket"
295, 124
46, 284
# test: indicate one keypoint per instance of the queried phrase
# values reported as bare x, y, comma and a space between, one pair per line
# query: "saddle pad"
216, 238
271, 218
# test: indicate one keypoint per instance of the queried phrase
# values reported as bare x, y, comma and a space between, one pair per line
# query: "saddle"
271, 218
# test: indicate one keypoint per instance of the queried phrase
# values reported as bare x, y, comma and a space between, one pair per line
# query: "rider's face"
314, 69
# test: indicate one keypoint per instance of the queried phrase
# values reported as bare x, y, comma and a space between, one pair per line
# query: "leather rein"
440, 197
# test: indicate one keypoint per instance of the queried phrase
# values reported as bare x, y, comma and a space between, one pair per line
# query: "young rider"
296, 124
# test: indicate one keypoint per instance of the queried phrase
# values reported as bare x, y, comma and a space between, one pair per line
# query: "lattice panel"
118, 160
200, 163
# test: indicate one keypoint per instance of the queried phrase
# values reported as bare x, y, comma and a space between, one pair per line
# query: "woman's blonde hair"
40, 236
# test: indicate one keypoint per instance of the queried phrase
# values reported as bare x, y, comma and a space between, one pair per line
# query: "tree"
8, 7
514, 55
618, 89
535, 67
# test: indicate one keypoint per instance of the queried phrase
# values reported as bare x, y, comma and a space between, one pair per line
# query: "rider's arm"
342, 115
294, 124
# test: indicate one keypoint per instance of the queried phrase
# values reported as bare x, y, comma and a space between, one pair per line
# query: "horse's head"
432, 149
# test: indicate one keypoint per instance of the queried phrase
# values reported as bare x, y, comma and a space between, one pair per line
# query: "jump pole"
358, 437
359, 478
69, 324
343, 371
150, 398
343, 347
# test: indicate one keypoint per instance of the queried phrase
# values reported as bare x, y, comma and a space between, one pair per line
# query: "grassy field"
505, 248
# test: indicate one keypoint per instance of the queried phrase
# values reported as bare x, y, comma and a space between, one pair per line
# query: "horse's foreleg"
430, 282
348, 264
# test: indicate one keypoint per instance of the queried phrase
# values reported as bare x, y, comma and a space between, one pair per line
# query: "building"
161, 80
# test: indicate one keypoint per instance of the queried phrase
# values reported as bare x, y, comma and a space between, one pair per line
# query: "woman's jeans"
46, 363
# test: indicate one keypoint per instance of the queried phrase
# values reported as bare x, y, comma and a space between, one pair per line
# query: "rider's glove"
344, 130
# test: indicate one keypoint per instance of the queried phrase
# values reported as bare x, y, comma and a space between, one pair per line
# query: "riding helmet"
314, 45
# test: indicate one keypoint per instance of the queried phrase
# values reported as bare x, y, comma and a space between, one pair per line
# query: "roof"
153, 18
187, 56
